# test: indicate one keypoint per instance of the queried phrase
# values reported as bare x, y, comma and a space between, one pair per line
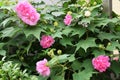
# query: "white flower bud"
87, 13
116, 54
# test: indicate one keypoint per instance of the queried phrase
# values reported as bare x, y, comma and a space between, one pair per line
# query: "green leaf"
63, 58
83, 75
89, 42
34, 78
48, 17
60, 77
79, 31
109, 36
57, 13
7, 20
75, 65
66, 41
35, 31
60, 59
91, 27
9, 32
98, 52
10, 8
38, 78
7, 66
94, 7
53, 61
87, 20
57, 34
2, 52
117, 28
1, 45
2, 15
87, 64
115, 66
113, 45
105, 21
57, 73
29, 46
67, 31
71, 58
42, 78
76, 15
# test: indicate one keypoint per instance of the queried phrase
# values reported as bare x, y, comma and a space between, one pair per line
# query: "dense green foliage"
74, 48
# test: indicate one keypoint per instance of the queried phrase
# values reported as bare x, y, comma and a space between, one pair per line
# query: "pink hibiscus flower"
46, 41
42, 68
68, 19
27, 13
101, 63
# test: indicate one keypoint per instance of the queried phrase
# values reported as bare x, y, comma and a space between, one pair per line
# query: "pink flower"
101, 63
27, 13
46, 41
42, 68
68, 19
116, 58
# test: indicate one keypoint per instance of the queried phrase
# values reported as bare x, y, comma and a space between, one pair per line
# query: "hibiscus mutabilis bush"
75, 41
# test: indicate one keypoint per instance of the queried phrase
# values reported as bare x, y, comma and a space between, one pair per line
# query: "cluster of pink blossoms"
101, 63
27, 13
46, 41
68, 19
42, 68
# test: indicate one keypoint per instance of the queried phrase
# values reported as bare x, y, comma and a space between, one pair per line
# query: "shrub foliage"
89, 34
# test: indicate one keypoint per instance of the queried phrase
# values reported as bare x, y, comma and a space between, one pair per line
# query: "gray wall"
48, 2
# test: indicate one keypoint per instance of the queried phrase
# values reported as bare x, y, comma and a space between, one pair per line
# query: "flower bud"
22, 58
45, 21
101, 46
59, 52
55, 23
116, 52
109, 44
16, 1
95, 3
87, 13
52, 30
116, 55
51, 53
47, 64
69, 12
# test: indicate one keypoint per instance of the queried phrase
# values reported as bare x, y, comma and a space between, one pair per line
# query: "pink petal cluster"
116, 58
27, 13
68, 19
46, 41
42, 68
101, 63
